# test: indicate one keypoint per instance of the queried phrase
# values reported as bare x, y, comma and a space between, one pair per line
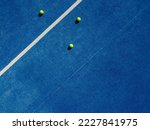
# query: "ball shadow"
68, 48
76, 22
40, 15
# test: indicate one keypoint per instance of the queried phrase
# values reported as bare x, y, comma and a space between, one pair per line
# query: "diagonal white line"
39, 37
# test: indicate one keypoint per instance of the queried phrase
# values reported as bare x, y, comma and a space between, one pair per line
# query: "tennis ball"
78, 19
41, 12
71, 45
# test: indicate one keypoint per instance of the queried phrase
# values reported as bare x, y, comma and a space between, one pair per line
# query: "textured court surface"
108, 70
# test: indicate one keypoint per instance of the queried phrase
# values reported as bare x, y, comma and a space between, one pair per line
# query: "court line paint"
69, 10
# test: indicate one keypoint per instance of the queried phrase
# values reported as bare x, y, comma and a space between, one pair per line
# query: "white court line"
39, 37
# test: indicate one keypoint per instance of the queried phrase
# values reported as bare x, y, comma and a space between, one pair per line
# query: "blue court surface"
108, 70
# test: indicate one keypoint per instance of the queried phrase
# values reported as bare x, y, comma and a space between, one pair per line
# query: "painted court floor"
108, 70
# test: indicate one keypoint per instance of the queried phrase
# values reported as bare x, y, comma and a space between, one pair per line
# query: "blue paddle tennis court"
107, 70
